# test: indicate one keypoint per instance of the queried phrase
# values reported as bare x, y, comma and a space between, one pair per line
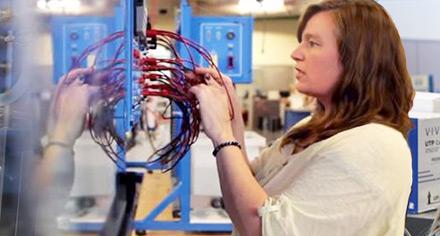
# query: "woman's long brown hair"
374, 86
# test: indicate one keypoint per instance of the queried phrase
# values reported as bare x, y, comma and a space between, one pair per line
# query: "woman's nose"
297, 54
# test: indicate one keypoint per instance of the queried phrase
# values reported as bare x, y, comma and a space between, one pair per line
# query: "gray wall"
423, 57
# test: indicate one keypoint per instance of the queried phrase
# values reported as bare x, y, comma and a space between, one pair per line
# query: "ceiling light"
59, 6
258, 6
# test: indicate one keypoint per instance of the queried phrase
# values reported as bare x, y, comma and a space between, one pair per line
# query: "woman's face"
318, 67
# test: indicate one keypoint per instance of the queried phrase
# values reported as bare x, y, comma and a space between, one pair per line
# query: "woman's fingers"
190, 75
94, 93
209, 71
205, 70
76, 73
197, 89
76, 82
212, 82
80, 72
220, 78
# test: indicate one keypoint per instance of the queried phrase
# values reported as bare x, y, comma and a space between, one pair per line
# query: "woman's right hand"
227, 82
224, 83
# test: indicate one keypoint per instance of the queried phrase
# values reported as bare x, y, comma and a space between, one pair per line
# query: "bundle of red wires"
110, 76
168, 78
158, 77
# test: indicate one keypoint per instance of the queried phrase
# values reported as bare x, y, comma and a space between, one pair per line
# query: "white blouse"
356, 182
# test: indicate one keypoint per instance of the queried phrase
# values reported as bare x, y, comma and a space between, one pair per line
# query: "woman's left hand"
71, 106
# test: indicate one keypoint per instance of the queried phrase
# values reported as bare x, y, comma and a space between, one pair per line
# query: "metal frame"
181, 191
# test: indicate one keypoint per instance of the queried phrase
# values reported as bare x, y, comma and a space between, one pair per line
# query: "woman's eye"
312, 44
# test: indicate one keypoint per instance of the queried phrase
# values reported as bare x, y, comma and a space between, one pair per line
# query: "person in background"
346, 169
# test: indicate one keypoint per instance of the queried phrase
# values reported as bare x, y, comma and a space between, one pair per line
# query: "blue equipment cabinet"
229, 41
231, 46
73, 34
292, 117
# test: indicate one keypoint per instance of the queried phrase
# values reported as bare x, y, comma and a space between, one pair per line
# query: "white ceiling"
292, 8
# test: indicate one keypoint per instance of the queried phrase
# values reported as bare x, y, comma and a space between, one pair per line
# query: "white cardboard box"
426, 102
204, 175
424, 141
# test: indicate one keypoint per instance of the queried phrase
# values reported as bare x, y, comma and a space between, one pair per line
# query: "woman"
346, 170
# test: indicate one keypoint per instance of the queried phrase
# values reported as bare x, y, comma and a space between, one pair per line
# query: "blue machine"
291, 117
228, 39
71, 36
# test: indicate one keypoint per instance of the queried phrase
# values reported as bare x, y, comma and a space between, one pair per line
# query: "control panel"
71, 36
229, 41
